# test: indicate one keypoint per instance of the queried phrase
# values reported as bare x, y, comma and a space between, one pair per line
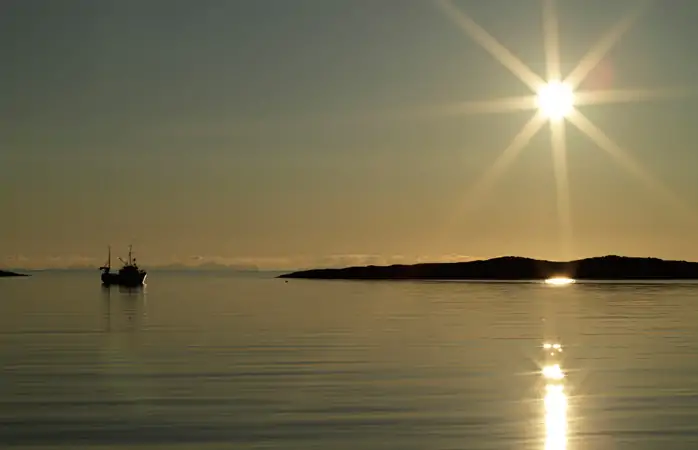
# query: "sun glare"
555, 100
553, 372
559, 281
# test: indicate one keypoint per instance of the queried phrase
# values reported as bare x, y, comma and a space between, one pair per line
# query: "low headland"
514, 268
5, 273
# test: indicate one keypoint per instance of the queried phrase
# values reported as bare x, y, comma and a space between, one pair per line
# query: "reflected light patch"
559, 281
553, 372
555, 417
552, 348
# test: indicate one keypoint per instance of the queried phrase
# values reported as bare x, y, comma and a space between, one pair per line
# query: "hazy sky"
302, 132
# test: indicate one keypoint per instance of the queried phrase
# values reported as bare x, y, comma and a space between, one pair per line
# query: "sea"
249, 361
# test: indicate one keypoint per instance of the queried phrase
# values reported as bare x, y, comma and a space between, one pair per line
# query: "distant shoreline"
8, 274
514, 268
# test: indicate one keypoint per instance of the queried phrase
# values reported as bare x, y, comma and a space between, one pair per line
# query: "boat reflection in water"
125, 311
555, 401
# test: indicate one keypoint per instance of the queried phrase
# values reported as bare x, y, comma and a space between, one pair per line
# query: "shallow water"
211, 361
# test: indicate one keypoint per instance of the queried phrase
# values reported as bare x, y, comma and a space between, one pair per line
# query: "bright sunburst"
556, 99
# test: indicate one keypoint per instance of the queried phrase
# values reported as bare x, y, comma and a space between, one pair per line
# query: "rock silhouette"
517, 268
4, 273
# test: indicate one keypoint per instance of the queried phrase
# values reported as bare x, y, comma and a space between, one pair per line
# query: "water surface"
213, 361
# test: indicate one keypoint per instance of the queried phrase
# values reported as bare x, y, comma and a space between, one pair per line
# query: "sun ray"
605, 44
627, 162
598, 97
559, 149
428, 112
504, 160
489, 43
497, 106
391, 116
551, 40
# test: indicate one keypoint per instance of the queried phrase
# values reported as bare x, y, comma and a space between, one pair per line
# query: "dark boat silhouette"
129, 275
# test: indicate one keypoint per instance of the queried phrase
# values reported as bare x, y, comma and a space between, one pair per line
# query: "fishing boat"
129, 275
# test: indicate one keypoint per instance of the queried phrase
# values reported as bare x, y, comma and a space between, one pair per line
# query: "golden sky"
333, 133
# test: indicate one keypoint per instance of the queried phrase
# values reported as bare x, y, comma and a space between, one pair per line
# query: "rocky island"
4, 273
517, 269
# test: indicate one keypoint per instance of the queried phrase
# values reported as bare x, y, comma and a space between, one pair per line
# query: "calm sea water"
210, 361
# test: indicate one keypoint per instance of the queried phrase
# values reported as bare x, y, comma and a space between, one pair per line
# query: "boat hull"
129, 280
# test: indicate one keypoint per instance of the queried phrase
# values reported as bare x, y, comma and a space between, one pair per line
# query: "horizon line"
239, 268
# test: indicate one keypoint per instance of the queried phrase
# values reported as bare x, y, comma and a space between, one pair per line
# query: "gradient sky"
295, 133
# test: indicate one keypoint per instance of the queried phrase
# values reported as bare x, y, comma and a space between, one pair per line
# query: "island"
4, 273
516, 268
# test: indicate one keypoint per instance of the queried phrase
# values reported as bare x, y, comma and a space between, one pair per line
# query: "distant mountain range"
517, 268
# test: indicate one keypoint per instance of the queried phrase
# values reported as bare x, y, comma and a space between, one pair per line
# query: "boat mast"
129, 254
107, 267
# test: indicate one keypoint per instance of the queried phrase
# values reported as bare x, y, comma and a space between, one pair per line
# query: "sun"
555, 100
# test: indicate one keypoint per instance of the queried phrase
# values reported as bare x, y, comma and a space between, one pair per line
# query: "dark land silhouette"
517, 268
4, 273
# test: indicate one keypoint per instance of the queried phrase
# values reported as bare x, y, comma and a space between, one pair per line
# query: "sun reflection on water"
560, 281
553, 372
555, 404
554, 349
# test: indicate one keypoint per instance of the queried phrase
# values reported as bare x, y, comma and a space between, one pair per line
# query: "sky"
288, 134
